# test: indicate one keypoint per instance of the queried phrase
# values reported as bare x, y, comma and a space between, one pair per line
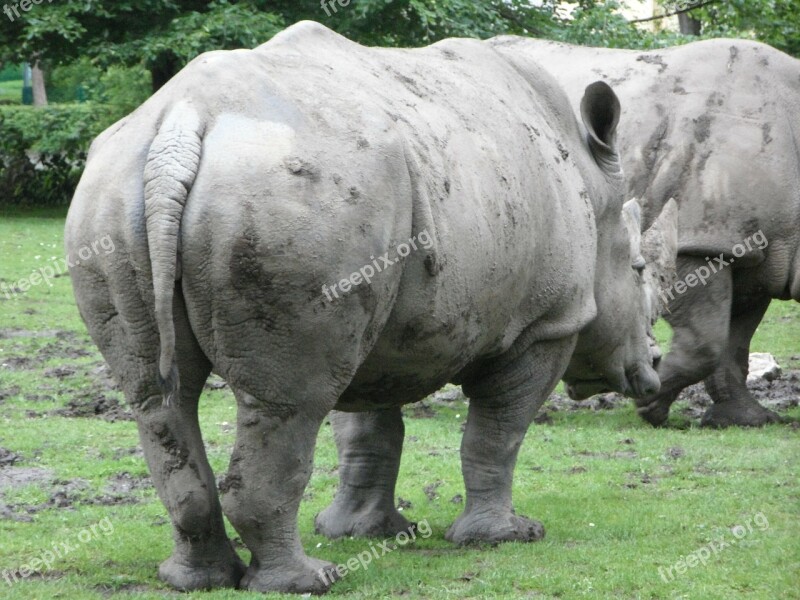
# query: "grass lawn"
629, 510
11, 90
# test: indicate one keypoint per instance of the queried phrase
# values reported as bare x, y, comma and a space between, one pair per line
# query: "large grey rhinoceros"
715, 125
332, 226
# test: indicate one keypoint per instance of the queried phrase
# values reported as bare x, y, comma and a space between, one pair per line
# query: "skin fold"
256, 184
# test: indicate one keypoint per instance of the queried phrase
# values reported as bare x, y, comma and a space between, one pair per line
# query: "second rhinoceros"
716, 126
332, 226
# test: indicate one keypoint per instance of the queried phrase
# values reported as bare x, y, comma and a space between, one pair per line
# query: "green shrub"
11, 73
124, 88
43, 150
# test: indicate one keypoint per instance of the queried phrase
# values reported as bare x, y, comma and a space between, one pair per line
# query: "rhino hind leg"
270, 466
504, 398
369, 445
734, 405
203, 556
700, 320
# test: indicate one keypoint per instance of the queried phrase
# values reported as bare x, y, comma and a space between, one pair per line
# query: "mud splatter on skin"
715, 99
267, 298
179, 455
301, 168
650, 155
654, 60
702, 129
766, 138
232, 480
734, 57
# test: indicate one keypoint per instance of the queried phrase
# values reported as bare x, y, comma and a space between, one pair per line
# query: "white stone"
763, 366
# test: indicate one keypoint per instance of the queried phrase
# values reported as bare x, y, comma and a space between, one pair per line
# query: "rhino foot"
307, 576
219, 574
337, 522
656, 413
738, 414
494, 529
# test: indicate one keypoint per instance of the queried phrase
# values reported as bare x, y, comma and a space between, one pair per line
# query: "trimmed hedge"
43, 150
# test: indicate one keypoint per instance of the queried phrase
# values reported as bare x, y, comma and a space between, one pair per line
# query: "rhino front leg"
369, 446
270, 467
733, 403
700, 320
503, 401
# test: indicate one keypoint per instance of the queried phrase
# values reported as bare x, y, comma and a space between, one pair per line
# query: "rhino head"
617, 350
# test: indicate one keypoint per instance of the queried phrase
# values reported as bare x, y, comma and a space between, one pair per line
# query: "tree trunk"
163, 69
39, 89
689, 25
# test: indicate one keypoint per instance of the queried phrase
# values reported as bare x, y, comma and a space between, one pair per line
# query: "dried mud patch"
419, 410
10, 392
99, 399
67, 345
122, 488
8, 458
15, 477
94, 405
11, 478
779, 395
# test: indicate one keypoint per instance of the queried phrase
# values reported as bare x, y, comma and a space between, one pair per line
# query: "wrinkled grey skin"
255, 178
715, 125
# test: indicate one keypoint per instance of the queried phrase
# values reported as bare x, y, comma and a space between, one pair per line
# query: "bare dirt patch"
12, 477
10, 392
779, 395
93, 405
15, 477
123, 488
8, 458
67, 345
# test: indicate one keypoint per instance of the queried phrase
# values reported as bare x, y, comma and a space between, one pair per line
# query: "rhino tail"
172, 165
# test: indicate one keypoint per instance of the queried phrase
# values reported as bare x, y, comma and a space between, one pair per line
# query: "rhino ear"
600, 110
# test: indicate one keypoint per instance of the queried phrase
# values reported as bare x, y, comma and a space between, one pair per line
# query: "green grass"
11, 91
620, 500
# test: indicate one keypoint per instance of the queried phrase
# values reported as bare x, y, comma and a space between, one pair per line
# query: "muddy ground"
52, 366
779, 395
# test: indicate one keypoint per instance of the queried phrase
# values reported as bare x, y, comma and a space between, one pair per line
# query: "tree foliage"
163, 35
775, 22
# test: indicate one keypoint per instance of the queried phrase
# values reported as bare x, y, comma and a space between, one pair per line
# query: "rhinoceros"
329, 226
716, 125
